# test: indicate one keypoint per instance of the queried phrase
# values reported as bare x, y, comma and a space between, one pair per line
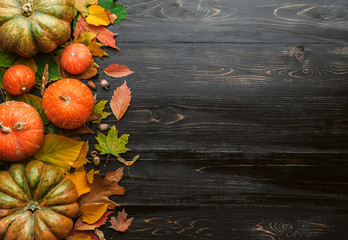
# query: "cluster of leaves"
64, 148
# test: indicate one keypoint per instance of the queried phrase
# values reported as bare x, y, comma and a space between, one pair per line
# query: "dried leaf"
81, 159
99, 234
112, 143
44, 80
79, 225
105, 36
91, 213
97, 16
111, 16
81, 236
76, 133
80, 181
101, 189
98, 109
121, 223
128, 163
117, 71
90, 175
120, 101
88, 233
82, 5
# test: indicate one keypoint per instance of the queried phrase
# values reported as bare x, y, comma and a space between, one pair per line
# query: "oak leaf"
117, 71
90, 175
120, 101
80, 181
101, 189
105, 36
112, 144
121, 223
97, 16
91, 213
79, 225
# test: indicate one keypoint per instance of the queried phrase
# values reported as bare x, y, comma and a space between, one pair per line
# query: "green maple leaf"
115, 8
98, 108
112, 144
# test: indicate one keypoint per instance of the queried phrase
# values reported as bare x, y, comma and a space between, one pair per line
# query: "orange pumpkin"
21, 131
68, 103
18, 79
76, 58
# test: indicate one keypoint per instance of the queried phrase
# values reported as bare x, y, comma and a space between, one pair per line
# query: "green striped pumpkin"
29, 26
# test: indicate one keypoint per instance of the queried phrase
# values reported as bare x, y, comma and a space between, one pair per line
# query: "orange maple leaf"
120, 101
121, 223
105, 36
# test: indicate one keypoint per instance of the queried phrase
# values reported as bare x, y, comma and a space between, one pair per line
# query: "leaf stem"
129, 174
107, 160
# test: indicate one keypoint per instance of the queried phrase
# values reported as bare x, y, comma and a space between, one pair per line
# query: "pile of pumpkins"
36, 201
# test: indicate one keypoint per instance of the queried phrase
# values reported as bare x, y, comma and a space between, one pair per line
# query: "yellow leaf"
80, 181
95, 48
81, 236
59, 151
91, 213
85, 38
81, 160
97, 16
90, 175
88, 39
30, 62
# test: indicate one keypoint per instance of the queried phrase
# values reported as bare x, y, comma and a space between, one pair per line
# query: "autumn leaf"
97, 16
80, 181
112, 143
91, 213
111, 16
7, 58
105, 36
98, 109
117, 71
33, 101
101, 189
90, 175
76, 133
81, 160
99, 234
120, 101
82, 5
2, 72
41, 60
59, 151
88, 39
30, 62
115, 8
121, 223
79, 225
81, 236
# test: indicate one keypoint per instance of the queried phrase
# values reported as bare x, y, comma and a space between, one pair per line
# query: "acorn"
96, 161
104, 84
104, 127
92, 85
94, 153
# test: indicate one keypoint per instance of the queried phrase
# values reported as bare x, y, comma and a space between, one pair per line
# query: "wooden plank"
267, 21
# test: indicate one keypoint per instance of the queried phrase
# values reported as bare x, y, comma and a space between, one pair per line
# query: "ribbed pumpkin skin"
68, 103
18, 79
26, 131
43, 30
36, 202
76, 58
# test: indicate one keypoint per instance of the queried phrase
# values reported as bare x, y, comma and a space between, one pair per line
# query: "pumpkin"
28, 26
36, 202
76, 58
18, 79
68, 103
21, 131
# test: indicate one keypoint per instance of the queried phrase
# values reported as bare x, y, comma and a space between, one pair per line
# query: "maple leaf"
105, 36
80, 181
117, 71
89, 39
101, 189
82, 5
115, 8
120, 101
91, 213
98, 109
97, 16
112, 143
79, 225
121, 223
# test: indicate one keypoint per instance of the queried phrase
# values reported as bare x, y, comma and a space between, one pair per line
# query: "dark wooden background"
240, 117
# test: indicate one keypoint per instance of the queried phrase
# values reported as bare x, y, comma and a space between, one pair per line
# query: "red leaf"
121, 223
117, 71
105, 36
120, 101
79, 225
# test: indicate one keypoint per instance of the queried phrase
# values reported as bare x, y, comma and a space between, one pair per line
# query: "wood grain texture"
239, 114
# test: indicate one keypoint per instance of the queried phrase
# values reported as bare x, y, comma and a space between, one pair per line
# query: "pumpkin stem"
27, 9
33, 207
66, 99
5, 130
20, 125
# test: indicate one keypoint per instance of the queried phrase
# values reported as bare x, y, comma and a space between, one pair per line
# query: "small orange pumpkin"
68, 103
21, 131
18, 79
76, 58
